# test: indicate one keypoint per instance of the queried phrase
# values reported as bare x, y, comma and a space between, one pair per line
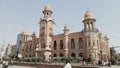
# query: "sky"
17, 15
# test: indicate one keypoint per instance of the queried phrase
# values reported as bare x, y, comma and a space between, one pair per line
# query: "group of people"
100, 63
6, 63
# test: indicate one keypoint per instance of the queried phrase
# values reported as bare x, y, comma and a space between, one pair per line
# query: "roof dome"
47, 7
88, 15
25, 32
33, 34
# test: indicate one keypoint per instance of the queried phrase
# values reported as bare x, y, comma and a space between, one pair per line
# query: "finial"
87, 9
65, 26
47, 6
47, 2
33, 33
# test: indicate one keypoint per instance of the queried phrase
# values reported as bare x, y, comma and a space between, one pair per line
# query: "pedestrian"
84, 63
5, 64
81, 62
11, 62
68, 65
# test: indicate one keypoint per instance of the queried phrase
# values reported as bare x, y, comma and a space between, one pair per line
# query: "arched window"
88, 43
97, 44
91, 26
27, 48
72, 44
87, 26
55, 45
72, 54
42, 43
93, 44
47, 13
30, 46
81, 55
61, 55
54, 55
80, 43
42, 25
61, 44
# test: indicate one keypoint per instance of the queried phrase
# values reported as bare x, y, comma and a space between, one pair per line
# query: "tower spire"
87, 9
47, 11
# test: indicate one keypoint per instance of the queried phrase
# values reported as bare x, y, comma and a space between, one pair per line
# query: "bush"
31, 59
39, 59
89, 59
59, 60
56, 60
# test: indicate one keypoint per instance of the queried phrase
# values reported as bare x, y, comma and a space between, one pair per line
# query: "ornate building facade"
87, 42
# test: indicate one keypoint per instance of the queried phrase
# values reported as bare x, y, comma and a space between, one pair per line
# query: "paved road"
113, 66
17, 66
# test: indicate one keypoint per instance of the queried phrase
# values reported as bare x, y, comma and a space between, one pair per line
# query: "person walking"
11, 62
68, 65
5, 64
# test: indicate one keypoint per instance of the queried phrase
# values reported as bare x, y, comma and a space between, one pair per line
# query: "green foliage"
31, 59
56, 60
89, 59
63, 60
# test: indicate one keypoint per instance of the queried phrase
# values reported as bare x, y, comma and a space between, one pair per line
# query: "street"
113, 66
17, 66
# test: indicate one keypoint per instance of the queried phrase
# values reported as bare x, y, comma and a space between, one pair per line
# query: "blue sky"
16, 15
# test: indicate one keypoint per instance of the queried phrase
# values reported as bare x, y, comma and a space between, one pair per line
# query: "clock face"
43, 24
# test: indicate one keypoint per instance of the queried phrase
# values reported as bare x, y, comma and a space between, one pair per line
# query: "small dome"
47, 7
33, 34
88, 15
25, 32
65, 28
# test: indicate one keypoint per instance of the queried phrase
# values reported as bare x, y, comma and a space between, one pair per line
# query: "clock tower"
46, 32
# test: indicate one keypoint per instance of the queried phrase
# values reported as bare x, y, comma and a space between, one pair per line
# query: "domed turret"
47, 7
47, 11
89, 21
65, 26
33, 34
88, 15
25, 32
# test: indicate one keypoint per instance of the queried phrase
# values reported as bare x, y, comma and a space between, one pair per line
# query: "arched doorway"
81, 56
61, 55
80, 43
72, 44
54, 55
55, 45
73, 55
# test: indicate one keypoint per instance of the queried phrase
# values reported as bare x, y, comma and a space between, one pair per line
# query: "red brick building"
87, 42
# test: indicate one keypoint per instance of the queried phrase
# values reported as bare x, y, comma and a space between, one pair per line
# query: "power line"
18, 23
